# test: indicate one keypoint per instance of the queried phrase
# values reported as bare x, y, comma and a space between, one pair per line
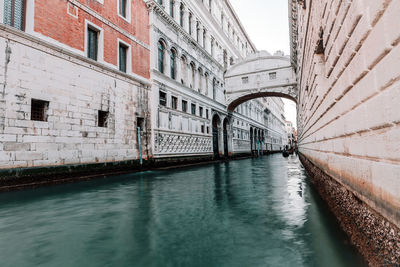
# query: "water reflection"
254, 212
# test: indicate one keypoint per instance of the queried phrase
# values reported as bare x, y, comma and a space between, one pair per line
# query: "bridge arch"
260, 75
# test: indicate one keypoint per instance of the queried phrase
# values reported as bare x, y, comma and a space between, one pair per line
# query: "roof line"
240, 24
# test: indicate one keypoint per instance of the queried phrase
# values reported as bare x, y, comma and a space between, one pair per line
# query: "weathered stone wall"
76, 89
349, 113
376, 239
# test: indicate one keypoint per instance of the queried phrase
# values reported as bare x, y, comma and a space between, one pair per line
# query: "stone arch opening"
251, 139
234, 104
216, 124
226, 137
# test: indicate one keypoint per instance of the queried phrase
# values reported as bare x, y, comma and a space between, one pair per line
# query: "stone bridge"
260, 75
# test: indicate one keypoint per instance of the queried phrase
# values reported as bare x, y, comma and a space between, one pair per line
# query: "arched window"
193, 74
190, 24
210, 5
198, 32
173, 64
204, 38
171, 8
212, 46
206, 82
225, 59
200, 80
183, 70
181, 14
161, 49
214, 88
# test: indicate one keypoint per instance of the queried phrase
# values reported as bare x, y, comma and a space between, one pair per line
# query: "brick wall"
349, 112
64, 21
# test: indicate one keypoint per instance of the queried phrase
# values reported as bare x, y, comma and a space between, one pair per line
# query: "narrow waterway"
253, 212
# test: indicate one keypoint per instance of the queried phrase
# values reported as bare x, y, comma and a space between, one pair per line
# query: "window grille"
102, 118
39, 109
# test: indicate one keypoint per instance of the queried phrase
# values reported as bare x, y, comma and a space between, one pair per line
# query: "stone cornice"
17, 36
240, 24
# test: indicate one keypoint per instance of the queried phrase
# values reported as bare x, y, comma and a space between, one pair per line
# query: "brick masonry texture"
349, 112
53, 20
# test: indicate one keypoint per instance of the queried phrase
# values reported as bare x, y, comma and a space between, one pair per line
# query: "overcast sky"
267, 23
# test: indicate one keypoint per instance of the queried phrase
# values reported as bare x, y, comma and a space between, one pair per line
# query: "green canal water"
253, 212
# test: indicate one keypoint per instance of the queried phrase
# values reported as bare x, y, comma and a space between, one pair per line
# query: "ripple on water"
253, 212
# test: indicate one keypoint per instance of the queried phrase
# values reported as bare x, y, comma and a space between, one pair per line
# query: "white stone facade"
347, 55
192, 44
74, 89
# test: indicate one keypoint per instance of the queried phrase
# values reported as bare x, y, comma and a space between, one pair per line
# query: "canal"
252, 212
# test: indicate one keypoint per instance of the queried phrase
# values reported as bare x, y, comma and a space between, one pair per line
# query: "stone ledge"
375, 237
21, 178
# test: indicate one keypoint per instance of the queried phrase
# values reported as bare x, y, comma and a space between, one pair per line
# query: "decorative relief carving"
241, 145
166, 142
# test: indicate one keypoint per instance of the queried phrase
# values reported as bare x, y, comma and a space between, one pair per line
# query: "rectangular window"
102, 118
122, 7
207, 116
184, 105
92, 44
202, 128
163, 98
123, 52
201, 111
208, 129
174, 102
193, 109
39, 110
14, 13
272, 76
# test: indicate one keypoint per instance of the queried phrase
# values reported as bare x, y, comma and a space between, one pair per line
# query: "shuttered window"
14, 13
92, 43
122, 57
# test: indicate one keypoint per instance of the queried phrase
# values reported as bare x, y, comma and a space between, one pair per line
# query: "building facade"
75, 81
347, 56
291, 134
193, 44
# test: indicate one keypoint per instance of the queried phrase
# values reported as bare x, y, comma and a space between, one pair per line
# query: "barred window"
102, 118
39, 110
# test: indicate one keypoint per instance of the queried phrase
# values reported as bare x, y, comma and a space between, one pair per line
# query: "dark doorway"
251, 140
215, 131
226, 151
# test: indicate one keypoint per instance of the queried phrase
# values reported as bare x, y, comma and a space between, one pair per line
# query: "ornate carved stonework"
172, 143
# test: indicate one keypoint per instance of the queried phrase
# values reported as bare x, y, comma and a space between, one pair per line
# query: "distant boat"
285, 153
